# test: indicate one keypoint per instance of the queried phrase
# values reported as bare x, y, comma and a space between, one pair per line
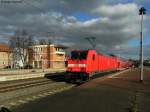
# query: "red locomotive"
84, 64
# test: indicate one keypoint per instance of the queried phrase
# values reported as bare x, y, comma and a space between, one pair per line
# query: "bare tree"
44, 41
20, 43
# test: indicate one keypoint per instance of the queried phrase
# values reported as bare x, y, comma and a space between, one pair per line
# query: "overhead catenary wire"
22, 2
32, 5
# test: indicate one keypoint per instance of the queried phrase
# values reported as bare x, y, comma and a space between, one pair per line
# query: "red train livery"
84, 64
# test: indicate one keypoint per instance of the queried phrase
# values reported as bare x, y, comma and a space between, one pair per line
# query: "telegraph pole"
142, 11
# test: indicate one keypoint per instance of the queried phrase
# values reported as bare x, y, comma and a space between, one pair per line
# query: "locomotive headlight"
82, 65
71, 65
76, 65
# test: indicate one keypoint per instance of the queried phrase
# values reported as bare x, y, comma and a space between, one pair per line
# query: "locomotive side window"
93, 56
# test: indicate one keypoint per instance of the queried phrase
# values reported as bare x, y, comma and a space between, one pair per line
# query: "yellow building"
4, 55
47, 56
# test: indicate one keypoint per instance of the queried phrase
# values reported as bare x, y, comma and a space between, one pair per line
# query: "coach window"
93, 56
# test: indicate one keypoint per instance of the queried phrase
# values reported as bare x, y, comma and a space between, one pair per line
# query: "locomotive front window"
83, 55
74, 55
79, 55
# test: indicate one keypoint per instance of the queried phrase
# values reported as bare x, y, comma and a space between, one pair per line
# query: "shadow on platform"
101, 74
58, 77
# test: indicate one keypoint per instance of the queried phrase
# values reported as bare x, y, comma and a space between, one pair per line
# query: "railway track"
14, 102
15, 96
38, 82
24, 84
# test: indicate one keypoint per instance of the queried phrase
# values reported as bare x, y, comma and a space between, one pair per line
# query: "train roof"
108, 55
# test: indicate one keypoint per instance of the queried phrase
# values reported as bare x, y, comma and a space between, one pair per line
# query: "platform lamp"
142, 11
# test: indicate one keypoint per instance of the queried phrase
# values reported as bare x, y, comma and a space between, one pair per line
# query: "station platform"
9, 75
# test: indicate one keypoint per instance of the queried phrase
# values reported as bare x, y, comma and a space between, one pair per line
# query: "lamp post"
142, 11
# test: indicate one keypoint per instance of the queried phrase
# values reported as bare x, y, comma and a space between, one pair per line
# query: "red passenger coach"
85, 63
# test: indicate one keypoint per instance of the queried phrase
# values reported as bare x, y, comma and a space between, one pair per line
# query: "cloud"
115, 24
132, 52
117, 11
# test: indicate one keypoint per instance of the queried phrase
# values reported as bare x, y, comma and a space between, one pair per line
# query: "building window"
60, 55
60, 49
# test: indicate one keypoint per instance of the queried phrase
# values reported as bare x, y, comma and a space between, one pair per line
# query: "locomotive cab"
77, 62
81, 64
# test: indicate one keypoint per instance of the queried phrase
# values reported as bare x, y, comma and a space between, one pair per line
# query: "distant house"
5, 56
47, 56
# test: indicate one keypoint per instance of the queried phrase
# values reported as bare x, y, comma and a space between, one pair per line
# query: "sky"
114, 23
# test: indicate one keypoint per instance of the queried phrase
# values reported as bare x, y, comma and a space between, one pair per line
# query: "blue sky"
136, 42
83, 16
